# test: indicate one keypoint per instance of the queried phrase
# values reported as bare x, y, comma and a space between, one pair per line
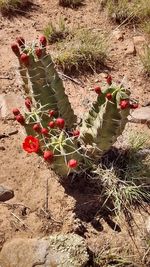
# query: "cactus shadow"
91, 206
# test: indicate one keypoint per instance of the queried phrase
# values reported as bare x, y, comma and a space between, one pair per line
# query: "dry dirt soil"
72, 211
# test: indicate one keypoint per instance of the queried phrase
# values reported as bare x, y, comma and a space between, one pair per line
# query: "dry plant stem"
20, 221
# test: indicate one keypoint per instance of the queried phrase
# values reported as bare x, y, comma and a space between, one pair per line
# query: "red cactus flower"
109, 79
20, 40
37, 127
16, 111
38, 52
43, 40
60, 123
44, 131
20, 119
51, 124
76, 133
134, 105
97, 90
24, 59
124, 104
72, 163
31, 144
28, 103
109, 96
48, 155
51, 113
15, 49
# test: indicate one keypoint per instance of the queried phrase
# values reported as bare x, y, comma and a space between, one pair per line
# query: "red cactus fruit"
134, 105
51, 124
60, 123
43, 40
109, 79
124, 104
24, 59
97, 90
44, 131
16, 111
72, 163
109, 96
48, 155
28, 103
15, 49
20, 40
20, 119
37, 127
38, 52
76, 133
51, 113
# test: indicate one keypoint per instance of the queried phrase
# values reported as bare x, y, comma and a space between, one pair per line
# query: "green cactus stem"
105, 121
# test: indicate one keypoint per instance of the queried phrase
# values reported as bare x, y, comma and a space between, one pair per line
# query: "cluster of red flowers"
124, 103
24, 57
32, 144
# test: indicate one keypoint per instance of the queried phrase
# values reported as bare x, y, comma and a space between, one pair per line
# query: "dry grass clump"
125, 10
10, 5
84, 50
70, 3
56, 33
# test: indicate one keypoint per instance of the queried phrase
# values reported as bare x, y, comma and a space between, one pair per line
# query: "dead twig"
22, 222
9, 134
71, 79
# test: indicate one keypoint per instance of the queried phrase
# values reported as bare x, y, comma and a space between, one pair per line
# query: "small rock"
130, 49
141, 115
139, 43
118, 35
5, 193
58, 250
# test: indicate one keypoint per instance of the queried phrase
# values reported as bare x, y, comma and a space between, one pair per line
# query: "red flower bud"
134, 105
15, 49
109, 96
60, 123
109, 79
16, 111
37, 127
20, 119
72, 163
43, 40
24, 59
76, 133
124, 104
38, 52
51, 124
28, 103
97, 90
48, 155
44, 131
51, 113
20, 41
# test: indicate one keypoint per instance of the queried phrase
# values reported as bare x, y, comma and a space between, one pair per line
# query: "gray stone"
58, 250
5, 193
141, 115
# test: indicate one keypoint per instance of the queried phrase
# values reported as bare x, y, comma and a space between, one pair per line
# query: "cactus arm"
56, 83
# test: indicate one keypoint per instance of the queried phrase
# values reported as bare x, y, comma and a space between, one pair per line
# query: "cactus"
105, 121
49, 120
